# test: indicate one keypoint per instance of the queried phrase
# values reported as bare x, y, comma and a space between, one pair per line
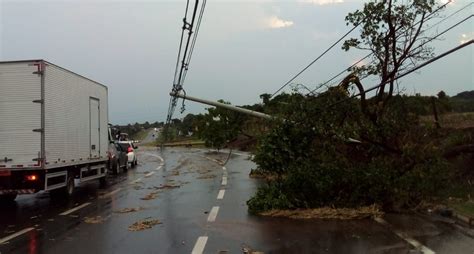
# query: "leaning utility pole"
223, 105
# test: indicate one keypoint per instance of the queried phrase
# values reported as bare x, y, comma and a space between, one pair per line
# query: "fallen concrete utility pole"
223, 105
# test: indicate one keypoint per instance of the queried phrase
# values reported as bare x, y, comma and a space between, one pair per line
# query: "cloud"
276, 22
321, 2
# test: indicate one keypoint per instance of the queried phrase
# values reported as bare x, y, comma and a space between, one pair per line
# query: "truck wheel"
125, 167
102, 182
7, 198
117, 168
136, 162
69, 186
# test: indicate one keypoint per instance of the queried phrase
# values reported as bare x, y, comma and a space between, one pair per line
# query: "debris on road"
144, 224
248, 250
328, 213
93, 220
206, 177
129, 210
167, 186
150, 196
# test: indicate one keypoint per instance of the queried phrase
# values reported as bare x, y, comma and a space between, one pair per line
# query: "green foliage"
395, 165
268, 197
391, 30
219, 126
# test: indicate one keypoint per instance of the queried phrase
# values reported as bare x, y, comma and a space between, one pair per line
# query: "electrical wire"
370, 54
184, 55
434, 59
194, 39
315, 60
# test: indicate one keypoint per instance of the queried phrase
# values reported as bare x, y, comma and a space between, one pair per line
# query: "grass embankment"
465, 208
140, 135
452, 120
182, 141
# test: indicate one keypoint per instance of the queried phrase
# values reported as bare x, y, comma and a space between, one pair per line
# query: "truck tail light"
32, 177
129, 149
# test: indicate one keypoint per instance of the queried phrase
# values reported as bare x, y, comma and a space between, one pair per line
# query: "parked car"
118, 158
130, 147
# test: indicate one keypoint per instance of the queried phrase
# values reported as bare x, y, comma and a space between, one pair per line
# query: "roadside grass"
182, 141
464, 208
141, 135
452, 120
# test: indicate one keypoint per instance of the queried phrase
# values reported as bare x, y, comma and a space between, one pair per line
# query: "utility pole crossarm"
223, 105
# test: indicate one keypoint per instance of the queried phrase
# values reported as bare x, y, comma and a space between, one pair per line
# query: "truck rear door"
20, 114
94, 117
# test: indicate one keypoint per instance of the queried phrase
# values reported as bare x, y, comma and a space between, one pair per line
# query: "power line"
370, 54
434, 59
180, 45
194, 39
342, 72
314, 61
186, 54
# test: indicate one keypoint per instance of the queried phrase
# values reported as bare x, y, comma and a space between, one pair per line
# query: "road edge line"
413, 242
6, 239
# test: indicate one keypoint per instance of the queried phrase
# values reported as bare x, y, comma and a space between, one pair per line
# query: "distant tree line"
133, 129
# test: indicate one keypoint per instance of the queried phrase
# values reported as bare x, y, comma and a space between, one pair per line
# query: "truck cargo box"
50, 117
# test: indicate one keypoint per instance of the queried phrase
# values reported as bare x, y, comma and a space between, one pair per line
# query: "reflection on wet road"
183, 201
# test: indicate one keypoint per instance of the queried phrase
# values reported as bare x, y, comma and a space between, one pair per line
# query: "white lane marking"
214, 160
200, 245
75, 209
224, 180
221, 194
8, 238
150, 174
156, 156
158, 168
110, 193
136, 181
408, 239
213, 214
224, 168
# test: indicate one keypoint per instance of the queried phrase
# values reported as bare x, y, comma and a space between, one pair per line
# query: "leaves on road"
206, 177
94, 220
129, 210
328, 213
144, 224
150, 196
167, 186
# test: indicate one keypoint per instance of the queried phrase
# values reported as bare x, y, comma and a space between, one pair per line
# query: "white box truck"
53, 129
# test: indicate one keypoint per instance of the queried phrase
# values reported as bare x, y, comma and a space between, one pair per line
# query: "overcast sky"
245, 48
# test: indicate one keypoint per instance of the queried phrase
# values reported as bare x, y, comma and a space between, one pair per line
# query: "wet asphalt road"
202, 206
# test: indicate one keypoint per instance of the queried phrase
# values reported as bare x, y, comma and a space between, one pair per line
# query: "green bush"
395, 166
268, 197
